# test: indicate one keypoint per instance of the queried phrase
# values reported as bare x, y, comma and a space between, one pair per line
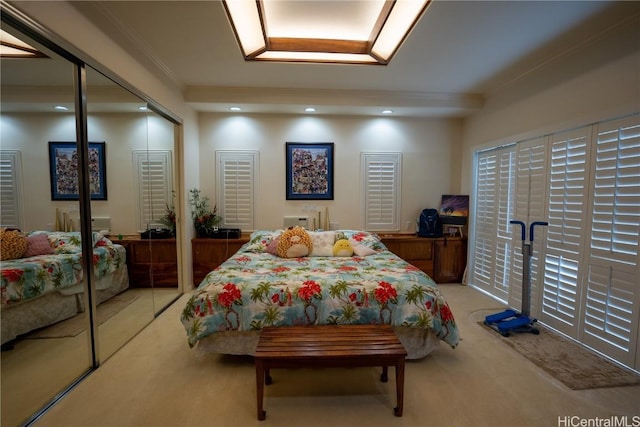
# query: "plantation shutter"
236, 188
381, 177
530, 197
10, 189
494, 187
565, 240
153, 175
611, 312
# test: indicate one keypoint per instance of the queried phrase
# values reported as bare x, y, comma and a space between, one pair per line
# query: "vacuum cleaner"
510, 320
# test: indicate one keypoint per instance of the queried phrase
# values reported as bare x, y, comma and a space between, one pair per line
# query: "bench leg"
260, 379
384, 376
267, 377
399, 388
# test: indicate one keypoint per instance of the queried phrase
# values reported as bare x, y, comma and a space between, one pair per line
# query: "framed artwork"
63, 168
454, 205
309, 171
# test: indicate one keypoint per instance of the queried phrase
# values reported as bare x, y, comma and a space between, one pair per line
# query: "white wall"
599, 83
430, 160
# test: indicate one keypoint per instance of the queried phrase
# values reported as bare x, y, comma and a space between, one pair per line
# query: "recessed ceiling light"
363, 32
310, 110
60, 108
235, 109
387, 111
143, 108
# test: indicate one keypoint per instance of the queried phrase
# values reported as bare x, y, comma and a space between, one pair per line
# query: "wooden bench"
329, 346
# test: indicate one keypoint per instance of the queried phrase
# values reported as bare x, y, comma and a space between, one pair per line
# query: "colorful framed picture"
63, 168
309, 171
454, 205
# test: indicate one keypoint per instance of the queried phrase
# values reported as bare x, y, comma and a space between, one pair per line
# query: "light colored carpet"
77, 324
574, 365
156, 380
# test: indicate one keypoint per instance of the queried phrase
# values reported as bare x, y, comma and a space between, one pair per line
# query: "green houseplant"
205, 219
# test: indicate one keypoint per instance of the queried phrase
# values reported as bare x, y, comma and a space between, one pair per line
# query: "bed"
47, 287
256, 287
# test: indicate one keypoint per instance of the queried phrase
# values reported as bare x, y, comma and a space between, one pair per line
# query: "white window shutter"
493, 206
154, 184
11, 189
565, 240
611, 309
381, 173
236, 188
530, 197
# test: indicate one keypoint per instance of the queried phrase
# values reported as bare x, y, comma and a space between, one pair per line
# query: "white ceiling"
458, 53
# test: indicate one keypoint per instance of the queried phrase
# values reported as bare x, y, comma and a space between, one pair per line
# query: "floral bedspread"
26, 278
253, 290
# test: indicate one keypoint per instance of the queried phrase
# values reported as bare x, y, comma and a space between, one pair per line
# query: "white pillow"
361, 250
322, 242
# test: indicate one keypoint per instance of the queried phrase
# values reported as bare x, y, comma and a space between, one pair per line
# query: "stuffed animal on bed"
342, 248
294, 242
13, 244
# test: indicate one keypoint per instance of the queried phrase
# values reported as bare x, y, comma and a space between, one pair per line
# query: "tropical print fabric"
254, 289
27, 278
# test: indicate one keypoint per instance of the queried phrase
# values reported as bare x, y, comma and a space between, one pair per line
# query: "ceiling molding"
126, 36
277, 98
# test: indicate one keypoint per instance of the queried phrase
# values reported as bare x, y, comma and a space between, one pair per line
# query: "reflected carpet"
75, 325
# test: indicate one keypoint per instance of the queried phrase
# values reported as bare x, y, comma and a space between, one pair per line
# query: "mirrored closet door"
57, 324
45, 347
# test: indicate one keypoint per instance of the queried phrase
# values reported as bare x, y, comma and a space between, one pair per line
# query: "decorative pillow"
360, 249
294, 243
342, 248
260, 239
323, 242
364, 238
38, 244
272, 247
13, 244
65, 242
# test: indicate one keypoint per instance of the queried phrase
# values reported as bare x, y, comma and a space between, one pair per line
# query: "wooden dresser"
444, 259
151, 263
209, 253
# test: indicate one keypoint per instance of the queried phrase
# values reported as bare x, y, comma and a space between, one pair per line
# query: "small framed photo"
309, 171
63, 168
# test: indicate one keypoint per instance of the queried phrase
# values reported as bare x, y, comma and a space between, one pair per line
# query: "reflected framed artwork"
63, 169
309, 171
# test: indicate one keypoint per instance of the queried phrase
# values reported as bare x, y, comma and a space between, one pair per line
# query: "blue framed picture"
63, 167
309, 171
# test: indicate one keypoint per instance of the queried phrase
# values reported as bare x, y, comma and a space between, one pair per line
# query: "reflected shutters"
154, 184
381, 182
236, 188
10, 189
612, 296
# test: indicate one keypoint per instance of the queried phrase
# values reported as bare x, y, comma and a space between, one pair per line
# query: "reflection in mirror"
158, 197
115, 122
45, 347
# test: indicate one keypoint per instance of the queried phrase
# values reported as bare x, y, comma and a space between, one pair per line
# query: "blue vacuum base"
509, 321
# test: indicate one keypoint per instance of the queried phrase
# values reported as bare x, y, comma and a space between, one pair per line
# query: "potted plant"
205, 219
168, 220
